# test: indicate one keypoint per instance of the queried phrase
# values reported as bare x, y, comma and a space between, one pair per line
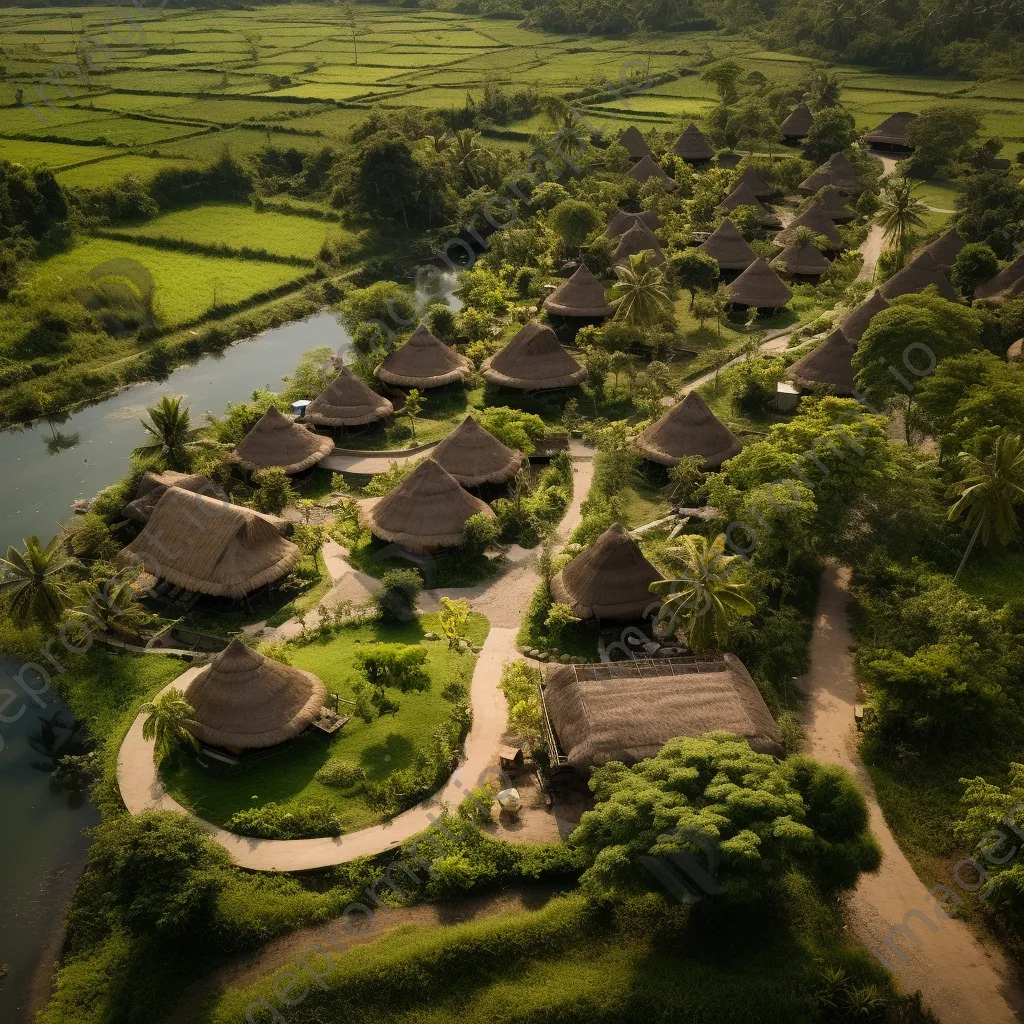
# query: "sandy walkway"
962, 981
371, 463
871, 249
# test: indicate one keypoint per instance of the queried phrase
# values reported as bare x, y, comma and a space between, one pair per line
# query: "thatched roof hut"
426, 511
836, 205
647, 168
533, 360
1002, 282
918, 275
152, 487
892, 132
688, 428
347, 402
211, 547
726, 245
757, 186
836, 171
581, 296
759, 286
801, 261
797, 124
856, 322
628, 710
277, 441
611, 579
815, 218
1015, 353
945, 249
692, 147
636, 240
622, 220
243, 700
742, 196
474, 456
423, 362
830, 364
634, 143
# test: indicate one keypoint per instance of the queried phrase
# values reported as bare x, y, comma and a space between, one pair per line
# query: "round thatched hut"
836, 205
742, 196
838, 172
856, 322
917, 275
692, 147
828, 365
646, 168
427, 511
815, 218
423, 362
347, 402
243, 700
755, 184
534, 360
474, 456
152, 487
727, 246
759, 287
609, 580
1006, 283
622, 220
797, 124
634, 144
277, 441
688, 428
891, 134
581, 296
801, 262
945, 249
636, 240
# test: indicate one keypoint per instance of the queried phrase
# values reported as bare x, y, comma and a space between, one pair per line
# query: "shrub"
341, 773
390, 666
512, 427
521, 685
273, 491
454, 621
559, 616
90, 537
481, 532
272, 821
400, 589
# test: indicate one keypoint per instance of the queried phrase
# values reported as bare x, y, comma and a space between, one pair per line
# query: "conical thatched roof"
474, 456
211, 547
426, 511
582, 295
801, 260
759, 286
831, 363
756, 184
815, 218
1006, 278
857, 321
638, 239
689, 428
798, 124
423, 362
243, 700
726, 245
634, 143
647, 168
622, 220
347, 402
945, 249
892, 131
835, 205
918, 275
692, 147
628, 710
533, 360
742, 196
836, 171
609, 580
152, 487
277, 441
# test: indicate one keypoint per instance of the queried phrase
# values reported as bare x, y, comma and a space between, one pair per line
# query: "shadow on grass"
393, 754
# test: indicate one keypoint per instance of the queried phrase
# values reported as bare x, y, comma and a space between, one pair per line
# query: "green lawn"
380, 747
996, 576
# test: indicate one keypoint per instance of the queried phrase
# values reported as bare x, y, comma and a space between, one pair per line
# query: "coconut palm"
114, 607
468, 155
900, 211
703, 596
171, 436
37, 581
989, 492
824, 87
640, 296
167, 721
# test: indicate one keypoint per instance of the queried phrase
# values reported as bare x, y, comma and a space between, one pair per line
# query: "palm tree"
988, 492
641, 298
703, 595
824, 87
900, 211
171, 436
36, 580
468, 155
167, 721
114, 607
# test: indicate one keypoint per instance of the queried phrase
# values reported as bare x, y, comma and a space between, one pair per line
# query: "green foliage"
36, 582
375, 313
455, 622
940, 135
391, 666
833, 130
273, 490
694, 271
480, 533
558, 618
441, 321
167, 722
974, 264
341, 773
573, 220
90, 537
272, 821
172, 440
400, 590
520, 683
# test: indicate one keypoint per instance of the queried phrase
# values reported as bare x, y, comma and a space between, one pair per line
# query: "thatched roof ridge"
726, 245
152, 487
622, 220
634, 143
427, 510
582, 295
945, 249
424, 361
742, 196
688, 428
798, 123
836, 171
474, 456
803, 260
243, 700
831, 363
533, 360
1006, 278
627, 710
636, 240
856, 322
918, 275
277, 441
815, 218
646, 168
757, 186
835, 205
211, 547
892, 131
611, 579
347, 402
692, 146
759, 286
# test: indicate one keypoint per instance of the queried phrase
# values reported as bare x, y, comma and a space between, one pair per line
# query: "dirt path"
962, 981
871, 249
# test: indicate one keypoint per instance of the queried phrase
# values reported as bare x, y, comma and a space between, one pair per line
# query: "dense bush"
341, 773
273, 821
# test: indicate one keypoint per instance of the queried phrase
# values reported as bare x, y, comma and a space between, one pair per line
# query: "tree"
989, 492
168, 718
749, 818
833, 130
752, 123
686, 478
172, 439
975, 263
940, 136
383, 302
990, 208
703, 597
823, 89
37, 581
454, 621
520, 431
310, 537
252, 44
273, 490
900, 212
400, 589
412, 408
639, 294
391, 666
113, 606
724, 76
694, 270
468, 155
573, 220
